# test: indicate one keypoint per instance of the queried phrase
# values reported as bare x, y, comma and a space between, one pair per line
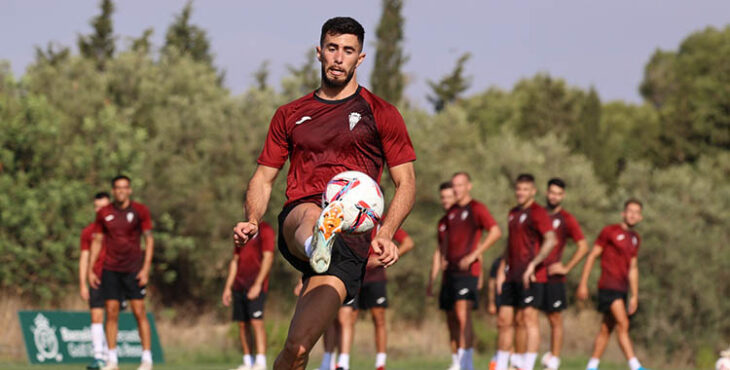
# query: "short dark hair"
446, 185
121, 177
525, 177
102, 195
462, 173
557, 182
343, 26
633, 201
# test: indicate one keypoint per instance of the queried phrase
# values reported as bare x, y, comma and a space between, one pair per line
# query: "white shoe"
242, 367
258, 367
145, 366
454, 367
328, 226
110, 366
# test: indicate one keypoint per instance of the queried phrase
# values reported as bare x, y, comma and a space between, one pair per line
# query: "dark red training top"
464, 226
527, 228
619, 247
122, 229
87, 236
565, 226
250, 257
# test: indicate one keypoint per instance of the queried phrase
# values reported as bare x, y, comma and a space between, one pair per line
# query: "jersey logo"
109, 218
556, 223
380, 300
463, 291
130, 217
634, 240
302, 120
442, 228
464, 215
621, 237
523, 217
451, 216
354, 118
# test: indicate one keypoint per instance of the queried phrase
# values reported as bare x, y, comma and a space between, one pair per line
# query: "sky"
604, 44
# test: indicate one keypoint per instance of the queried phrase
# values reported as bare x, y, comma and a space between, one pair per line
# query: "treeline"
163, 116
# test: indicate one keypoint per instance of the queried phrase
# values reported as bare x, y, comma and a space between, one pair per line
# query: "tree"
99, 46
387, 80
303, 79
188, 39
451, 86
262, 75
142, 43
53, 55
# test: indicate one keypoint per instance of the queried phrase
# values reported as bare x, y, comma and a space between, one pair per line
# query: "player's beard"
551, 206
336, 84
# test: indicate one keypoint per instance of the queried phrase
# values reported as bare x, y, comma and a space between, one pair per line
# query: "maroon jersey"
526, 229
322, 138
122, 229
464, 226
373, 274
619, 247
87, 236
565, 226
441, 233
250, 257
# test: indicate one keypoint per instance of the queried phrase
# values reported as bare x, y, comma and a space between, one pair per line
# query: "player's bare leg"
520, 338
556, 333
317, 306
453, 325
256, 327
381, 333
604, 334
330, 344
346, 318
618, 310
138, 309
246, 336
112, 322
532, 324
463, 316
298, 227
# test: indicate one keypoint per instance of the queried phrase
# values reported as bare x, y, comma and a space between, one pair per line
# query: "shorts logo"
529, 299
556, 223
464, 215
109, 218
130, 217
557, 304
380, 300
354, 118
302, 120
523, 217
621, 237
463, 291
257, 314
350, 301
143, 291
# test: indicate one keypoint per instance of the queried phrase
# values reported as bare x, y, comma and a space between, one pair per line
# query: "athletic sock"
469, 354
634, 363
261, 359
380, 359
516, 360
113, 356
502, 360
528, 360
460, 352
455, 359
326, 361
553, 362
247, 360
308, 247
97, 340
147, 356
344, 361
593, 363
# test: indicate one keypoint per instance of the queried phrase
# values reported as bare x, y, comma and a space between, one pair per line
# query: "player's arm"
582, 292
94, 255
491, 296
559, 269
84, 274
267, 260
406, 245
257, 199
634, 285
149, 250
548, 242
404, 179
493, 235
501, 274
435, 269
232, 271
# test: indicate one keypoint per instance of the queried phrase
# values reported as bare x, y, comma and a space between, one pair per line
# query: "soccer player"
93, 295
531, 239
617, 246
340, 126
465, 223
126, 268
565, 226
246, 285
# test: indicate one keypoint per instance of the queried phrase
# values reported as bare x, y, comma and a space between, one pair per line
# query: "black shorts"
458, 287
345, 264
373, 294
354, 303
606, 298
120, 285
514, 294
245, 309
96, 299
554, 299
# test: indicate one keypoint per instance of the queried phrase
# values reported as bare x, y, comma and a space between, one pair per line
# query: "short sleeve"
483, 217
400, 235
145, 219
266, 233
276, 147
541, 220
573, 229
604, 237
86, 238
394, 136
99, 224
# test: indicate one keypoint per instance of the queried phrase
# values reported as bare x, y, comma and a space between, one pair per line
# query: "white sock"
333, 364
454, 358
344, 361
502, 360
593, 363
97, 340
147, 356
308, 247
469, 359
247, 360
553, 363
113, 356
261, 359
634, 363
515, 360
326, 361
545, 358
460, 352
528, 361
380, 359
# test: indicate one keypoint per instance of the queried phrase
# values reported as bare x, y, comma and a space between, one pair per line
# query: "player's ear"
319, 53
360, 58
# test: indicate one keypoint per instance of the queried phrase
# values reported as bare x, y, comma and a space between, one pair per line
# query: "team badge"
130, 217
621, 237
442, 228
451, 216
109, 218
464, 215
634, 240
354, 118
556, 223
523, 217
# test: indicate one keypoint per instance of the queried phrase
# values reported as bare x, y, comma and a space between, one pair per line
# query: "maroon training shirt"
565, 226
322, 138
87, 236
464, 226
374, 274
250, 257
619, 247
526, 229
122, 229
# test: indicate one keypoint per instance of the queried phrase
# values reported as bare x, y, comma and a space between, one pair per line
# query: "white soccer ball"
361, 197
723, 364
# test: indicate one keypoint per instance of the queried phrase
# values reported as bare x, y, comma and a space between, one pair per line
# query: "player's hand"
466, 261
582, 292
143, 277
385, 250
529, 275
243, 232
226, 298
84, 292
501, 277
94, 280
557, 268
444, 264
254, 292
492, 309
298, 288
633, 305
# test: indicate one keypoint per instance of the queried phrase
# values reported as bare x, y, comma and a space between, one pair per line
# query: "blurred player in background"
93, 295
617, 246
246, 285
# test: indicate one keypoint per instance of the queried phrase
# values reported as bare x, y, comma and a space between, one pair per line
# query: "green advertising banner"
53, 337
